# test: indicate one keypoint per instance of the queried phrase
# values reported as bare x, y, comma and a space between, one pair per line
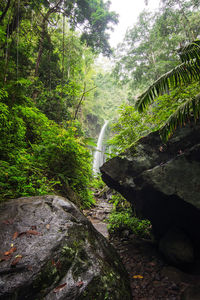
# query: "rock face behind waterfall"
49, 250
162, 182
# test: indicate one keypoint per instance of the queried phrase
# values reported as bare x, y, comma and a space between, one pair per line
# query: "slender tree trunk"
81, 99
41, 46
5, 11
44, 31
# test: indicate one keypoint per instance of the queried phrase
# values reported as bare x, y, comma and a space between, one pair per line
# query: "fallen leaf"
5, 258
15, 235
79, 284
138, 277
59, 288
33, 232
48, 226
13, 249
16, 260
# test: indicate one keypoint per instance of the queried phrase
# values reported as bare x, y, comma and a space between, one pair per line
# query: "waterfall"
98, 155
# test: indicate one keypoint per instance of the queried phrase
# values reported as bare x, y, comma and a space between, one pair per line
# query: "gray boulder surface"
49, 250
161, 181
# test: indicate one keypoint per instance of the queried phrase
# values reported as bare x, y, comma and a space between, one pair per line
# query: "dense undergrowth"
40, 157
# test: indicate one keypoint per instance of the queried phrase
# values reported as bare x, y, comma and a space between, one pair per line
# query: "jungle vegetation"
159, 62
54, 97
47, 53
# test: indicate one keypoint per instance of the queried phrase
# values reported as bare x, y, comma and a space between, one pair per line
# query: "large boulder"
177, 247
162, 181
49, 250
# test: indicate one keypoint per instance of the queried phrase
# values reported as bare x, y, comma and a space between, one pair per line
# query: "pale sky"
128, 11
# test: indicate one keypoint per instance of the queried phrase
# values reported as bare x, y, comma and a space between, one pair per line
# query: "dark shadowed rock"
177, 247
49, 250
191, 293
162, 181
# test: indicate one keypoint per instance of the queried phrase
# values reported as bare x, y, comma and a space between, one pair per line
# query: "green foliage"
98, 183
186, 73
149, 48
122, 218
46, 76
102, 103
129, 127
119, 203
147, 52
181, 75
119, 221
39, 156
162, 115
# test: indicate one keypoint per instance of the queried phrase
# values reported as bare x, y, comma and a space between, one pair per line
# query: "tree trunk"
5, 11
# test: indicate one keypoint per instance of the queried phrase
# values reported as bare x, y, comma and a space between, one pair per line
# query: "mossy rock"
63, 256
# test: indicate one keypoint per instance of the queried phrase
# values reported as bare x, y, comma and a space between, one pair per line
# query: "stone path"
98, 215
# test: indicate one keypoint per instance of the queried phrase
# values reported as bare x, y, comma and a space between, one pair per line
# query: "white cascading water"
98, 155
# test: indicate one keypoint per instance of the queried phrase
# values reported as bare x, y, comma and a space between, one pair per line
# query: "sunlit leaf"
13, 249
15, 235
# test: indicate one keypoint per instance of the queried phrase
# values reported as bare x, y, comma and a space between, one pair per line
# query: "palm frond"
191, 108
190, 52
184, 73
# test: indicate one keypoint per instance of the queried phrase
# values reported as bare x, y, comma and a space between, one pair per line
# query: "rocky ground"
151, 278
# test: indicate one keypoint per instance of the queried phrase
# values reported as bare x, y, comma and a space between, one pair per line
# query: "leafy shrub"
119, 221
98, 183
119, 203
122, 218
40, 157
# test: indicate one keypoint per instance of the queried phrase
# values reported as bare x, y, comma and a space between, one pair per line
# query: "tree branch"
82, 97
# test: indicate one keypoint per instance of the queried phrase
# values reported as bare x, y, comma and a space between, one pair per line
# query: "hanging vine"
17, 58
63, 53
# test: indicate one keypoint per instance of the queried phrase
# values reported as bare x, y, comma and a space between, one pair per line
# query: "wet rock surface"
98, 215
49, 250
161, 181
